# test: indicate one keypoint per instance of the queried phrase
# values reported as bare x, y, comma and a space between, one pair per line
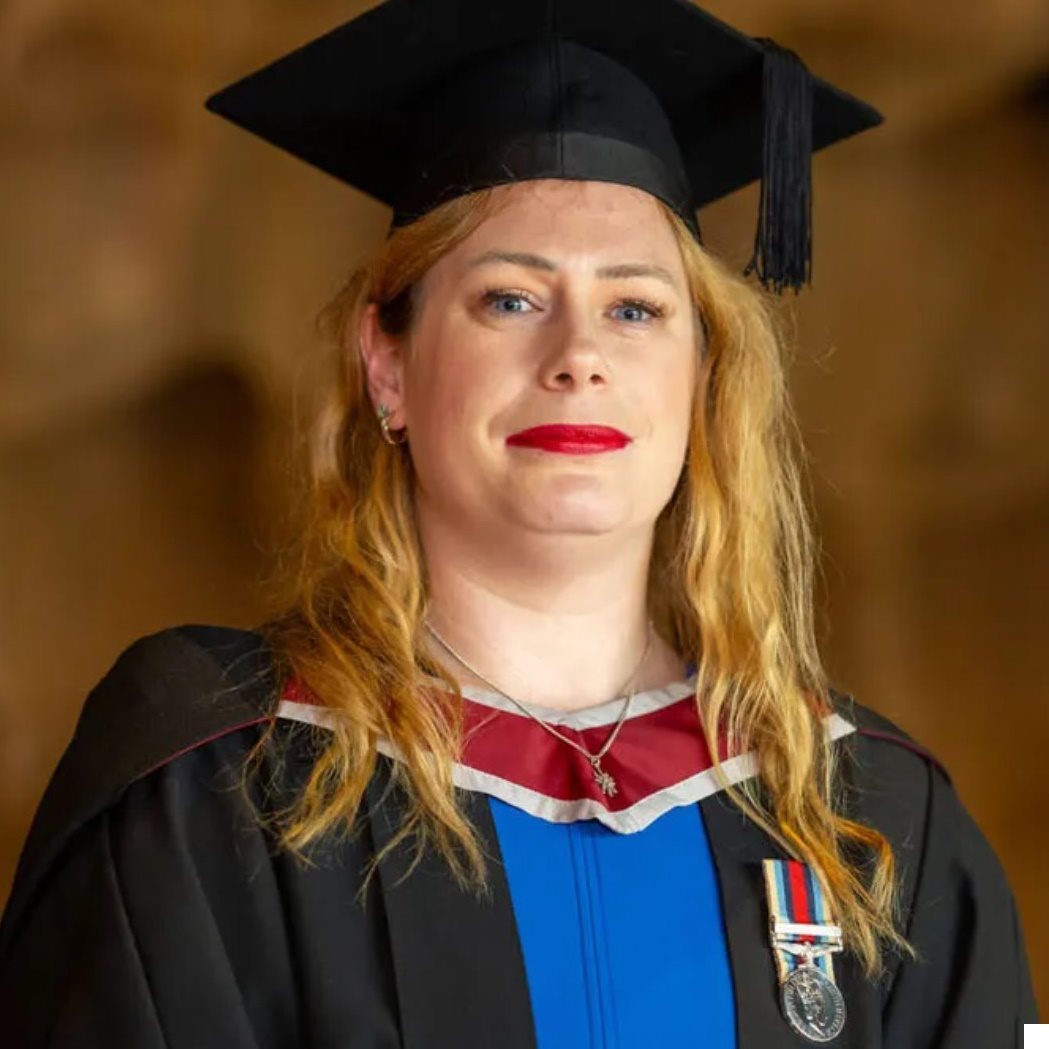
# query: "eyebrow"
537, 262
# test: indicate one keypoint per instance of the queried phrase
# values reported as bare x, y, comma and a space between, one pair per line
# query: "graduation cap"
416, 102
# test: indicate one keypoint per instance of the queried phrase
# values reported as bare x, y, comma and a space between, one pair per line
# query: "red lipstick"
573, 440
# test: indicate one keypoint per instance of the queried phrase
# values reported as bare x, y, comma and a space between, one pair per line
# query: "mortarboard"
415, 102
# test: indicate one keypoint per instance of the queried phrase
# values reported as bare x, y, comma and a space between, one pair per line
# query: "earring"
384, 424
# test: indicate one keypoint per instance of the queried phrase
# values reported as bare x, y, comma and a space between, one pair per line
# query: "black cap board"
415, 102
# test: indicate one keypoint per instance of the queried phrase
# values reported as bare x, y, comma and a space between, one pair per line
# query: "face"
567, 306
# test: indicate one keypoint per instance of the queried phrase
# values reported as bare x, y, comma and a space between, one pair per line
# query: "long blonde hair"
730, 588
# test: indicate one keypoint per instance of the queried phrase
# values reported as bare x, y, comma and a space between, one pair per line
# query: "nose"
574, 356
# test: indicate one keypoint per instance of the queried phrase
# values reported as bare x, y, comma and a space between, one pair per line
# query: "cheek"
672, 407
455, 393
677, 377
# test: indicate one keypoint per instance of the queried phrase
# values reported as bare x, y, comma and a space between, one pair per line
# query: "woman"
404, 811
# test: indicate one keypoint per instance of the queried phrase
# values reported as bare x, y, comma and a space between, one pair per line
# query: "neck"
556, 640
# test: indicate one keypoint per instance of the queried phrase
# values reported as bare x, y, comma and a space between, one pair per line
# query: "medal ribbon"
798, 914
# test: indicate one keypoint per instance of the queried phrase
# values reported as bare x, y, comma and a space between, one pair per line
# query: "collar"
659, 759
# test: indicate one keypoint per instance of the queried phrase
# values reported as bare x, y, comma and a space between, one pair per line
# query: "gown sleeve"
75, 975
971, 985
158, 926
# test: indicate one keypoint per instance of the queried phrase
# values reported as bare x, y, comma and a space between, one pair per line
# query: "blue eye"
641, 306
493, 297
636, 313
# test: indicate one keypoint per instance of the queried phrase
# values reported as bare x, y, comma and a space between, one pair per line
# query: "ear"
383, 364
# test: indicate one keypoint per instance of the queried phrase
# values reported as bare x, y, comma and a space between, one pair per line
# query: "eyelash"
494, 294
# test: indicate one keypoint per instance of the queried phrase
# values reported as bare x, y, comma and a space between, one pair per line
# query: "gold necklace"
605, 780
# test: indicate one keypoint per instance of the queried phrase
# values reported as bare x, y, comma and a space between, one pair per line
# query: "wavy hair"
730, 587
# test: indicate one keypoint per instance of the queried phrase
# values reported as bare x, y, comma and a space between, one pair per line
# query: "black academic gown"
149, 910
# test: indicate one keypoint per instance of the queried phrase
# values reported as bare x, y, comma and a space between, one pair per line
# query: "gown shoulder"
970, 984
145, 882
166, 693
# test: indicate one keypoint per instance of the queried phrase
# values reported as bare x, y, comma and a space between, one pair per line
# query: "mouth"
572, 440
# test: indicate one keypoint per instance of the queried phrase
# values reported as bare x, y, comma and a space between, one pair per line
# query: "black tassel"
783, 242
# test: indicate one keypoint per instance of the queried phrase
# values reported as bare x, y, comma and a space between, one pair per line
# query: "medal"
803, 940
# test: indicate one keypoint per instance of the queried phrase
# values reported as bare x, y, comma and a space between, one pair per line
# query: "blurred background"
162, 271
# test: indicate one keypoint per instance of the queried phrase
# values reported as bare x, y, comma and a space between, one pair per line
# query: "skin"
538, 560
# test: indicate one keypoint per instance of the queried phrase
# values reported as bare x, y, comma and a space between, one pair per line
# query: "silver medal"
812, 1004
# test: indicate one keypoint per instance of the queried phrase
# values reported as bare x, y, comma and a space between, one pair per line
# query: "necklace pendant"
605, 780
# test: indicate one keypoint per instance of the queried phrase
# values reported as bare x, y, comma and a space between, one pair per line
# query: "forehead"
576, 223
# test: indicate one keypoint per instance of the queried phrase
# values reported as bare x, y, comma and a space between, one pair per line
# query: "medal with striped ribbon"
804, 939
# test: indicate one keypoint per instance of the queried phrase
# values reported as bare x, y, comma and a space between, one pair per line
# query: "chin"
580, 517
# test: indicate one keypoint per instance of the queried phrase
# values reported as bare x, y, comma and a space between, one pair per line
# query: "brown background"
161, 272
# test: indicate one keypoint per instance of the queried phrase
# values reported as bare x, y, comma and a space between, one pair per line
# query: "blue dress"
621, 929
